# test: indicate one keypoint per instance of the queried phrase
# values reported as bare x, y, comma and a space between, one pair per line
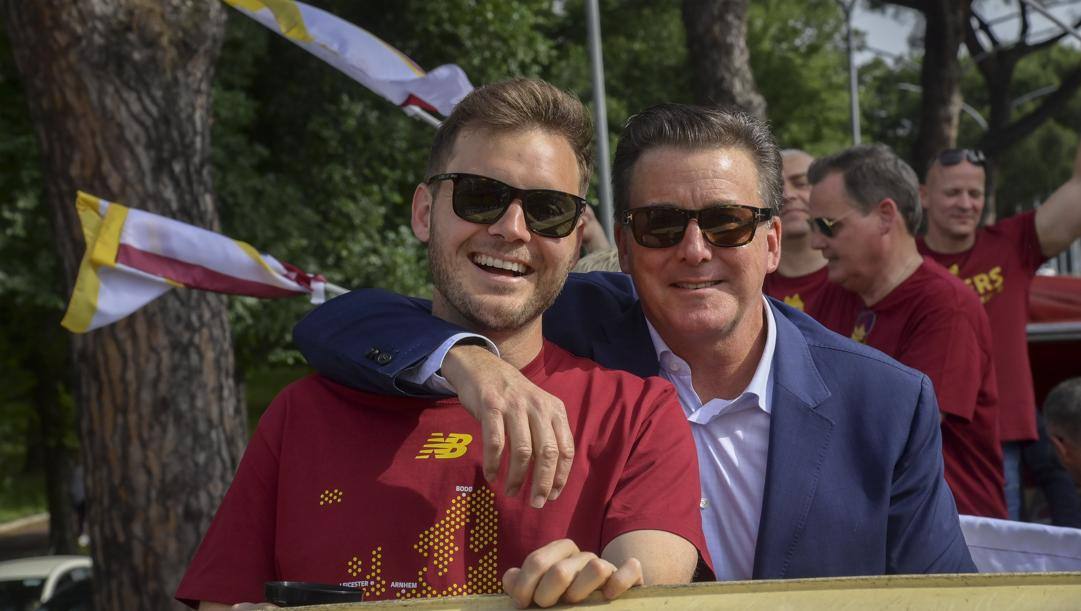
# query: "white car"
27, 582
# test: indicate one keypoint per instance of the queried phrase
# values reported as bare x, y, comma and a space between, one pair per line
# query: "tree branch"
985, 28
995, 143
1023, 38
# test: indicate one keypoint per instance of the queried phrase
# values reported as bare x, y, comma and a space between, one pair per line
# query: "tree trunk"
120, 96
940, 78
717, 50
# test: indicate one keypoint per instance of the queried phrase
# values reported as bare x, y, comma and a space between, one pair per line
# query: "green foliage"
799, 63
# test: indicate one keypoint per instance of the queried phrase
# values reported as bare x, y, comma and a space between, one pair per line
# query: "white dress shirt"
732, 438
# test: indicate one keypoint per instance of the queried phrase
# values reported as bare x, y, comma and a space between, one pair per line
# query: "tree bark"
717, 49
940, 78
120, 96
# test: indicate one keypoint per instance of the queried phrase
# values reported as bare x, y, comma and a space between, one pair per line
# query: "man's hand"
559, 572
516, 415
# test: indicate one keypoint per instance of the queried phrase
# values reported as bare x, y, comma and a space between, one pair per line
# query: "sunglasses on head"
483, 200
950, 157
727, 226
825, 225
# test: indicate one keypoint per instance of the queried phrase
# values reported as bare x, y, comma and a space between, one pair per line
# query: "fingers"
520, 447
491, 429
590, 575
628, 576
520, 584
566, 455
545, 460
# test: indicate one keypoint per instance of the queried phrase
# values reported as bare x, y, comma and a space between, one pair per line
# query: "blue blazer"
854, 482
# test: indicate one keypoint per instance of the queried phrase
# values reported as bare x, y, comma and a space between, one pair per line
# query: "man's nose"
511, 226
694, 248
818, 240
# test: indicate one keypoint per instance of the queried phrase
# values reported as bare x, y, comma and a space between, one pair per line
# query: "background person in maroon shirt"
998, 262
802, 271
864, 210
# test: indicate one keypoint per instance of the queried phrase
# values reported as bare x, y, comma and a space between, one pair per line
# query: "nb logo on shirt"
452, 445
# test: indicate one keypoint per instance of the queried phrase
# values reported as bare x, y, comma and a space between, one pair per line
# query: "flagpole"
600, 117
421, 115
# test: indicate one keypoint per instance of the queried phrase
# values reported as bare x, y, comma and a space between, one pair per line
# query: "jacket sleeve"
366, 338
924, 534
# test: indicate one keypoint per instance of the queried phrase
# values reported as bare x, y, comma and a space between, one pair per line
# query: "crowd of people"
779, 322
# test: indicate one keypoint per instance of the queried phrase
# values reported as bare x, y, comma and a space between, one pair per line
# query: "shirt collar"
760, 388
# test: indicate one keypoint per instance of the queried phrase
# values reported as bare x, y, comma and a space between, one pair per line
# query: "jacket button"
383, 358
372, 353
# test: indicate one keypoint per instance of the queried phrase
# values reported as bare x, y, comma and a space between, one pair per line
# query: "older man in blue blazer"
818, 456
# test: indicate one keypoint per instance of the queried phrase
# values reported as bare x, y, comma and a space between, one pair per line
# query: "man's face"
854, 252
953, 197
694, 291
1069, 454
797, 194
497, 277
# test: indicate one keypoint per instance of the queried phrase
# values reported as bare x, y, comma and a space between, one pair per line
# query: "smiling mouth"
500, 267
696, 285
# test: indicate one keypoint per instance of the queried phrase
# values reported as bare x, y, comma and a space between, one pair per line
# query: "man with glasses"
386, 494
998, 262
818, 456
801, 274
865, 210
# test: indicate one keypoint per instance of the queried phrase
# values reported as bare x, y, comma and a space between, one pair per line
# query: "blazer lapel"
798, 440
626, 344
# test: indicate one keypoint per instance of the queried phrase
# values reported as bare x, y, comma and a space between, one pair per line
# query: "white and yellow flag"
362, 56
133, 257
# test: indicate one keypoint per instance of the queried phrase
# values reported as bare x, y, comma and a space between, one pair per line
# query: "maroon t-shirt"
387, 494
800, 292
932, 322
1000, 267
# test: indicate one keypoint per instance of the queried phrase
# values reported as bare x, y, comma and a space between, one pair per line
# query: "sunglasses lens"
659, 227
821, 225
479, 200
550, 213
728, 226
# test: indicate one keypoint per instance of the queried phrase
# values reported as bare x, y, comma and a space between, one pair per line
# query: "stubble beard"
480, 315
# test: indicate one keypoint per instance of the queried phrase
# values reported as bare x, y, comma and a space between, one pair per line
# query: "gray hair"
1062, 410
872, 173
695, 128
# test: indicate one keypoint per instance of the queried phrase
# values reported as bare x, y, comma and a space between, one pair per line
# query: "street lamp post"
853, 76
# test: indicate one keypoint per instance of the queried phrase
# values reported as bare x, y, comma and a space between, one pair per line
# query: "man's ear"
422, 212
888, 214
775, 231
623, 245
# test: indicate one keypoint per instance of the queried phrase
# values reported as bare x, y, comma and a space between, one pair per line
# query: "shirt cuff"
426, 373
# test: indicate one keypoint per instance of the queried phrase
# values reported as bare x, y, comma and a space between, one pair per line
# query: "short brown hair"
519, 104
1062, 410
696, 128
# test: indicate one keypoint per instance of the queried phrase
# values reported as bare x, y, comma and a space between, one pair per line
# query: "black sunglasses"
483, 200
950, 157
825, 225
726, 226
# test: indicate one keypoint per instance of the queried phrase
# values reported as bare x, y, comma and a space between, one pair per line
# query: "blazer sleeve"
366, 338
924, 534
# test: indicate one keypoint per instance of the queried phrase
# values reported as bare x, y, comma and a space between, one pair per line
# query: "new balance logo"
452, 445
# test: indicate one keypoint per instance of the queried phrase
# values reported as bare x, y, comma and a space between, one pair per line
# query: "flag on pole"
133, 257
362, 56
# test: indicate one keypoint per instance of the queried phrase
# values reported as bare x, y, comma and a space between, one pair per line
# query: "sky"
889, 31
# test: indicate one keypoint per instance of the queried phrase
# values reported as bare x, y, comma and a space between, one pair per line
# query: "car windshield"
21, 594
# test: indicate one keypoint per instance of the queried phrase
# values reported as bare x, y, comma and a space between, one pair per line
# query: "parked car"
26, 583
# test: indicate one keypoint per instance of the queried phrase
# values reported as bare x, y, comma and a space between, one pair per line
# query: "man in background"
802, 272
1062, 410
865, 210
998, 262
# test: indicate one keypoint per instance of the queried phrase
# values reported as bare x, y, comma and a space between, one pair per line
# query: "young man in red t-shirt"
865, 209
998, 262
389, 495
802, 274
